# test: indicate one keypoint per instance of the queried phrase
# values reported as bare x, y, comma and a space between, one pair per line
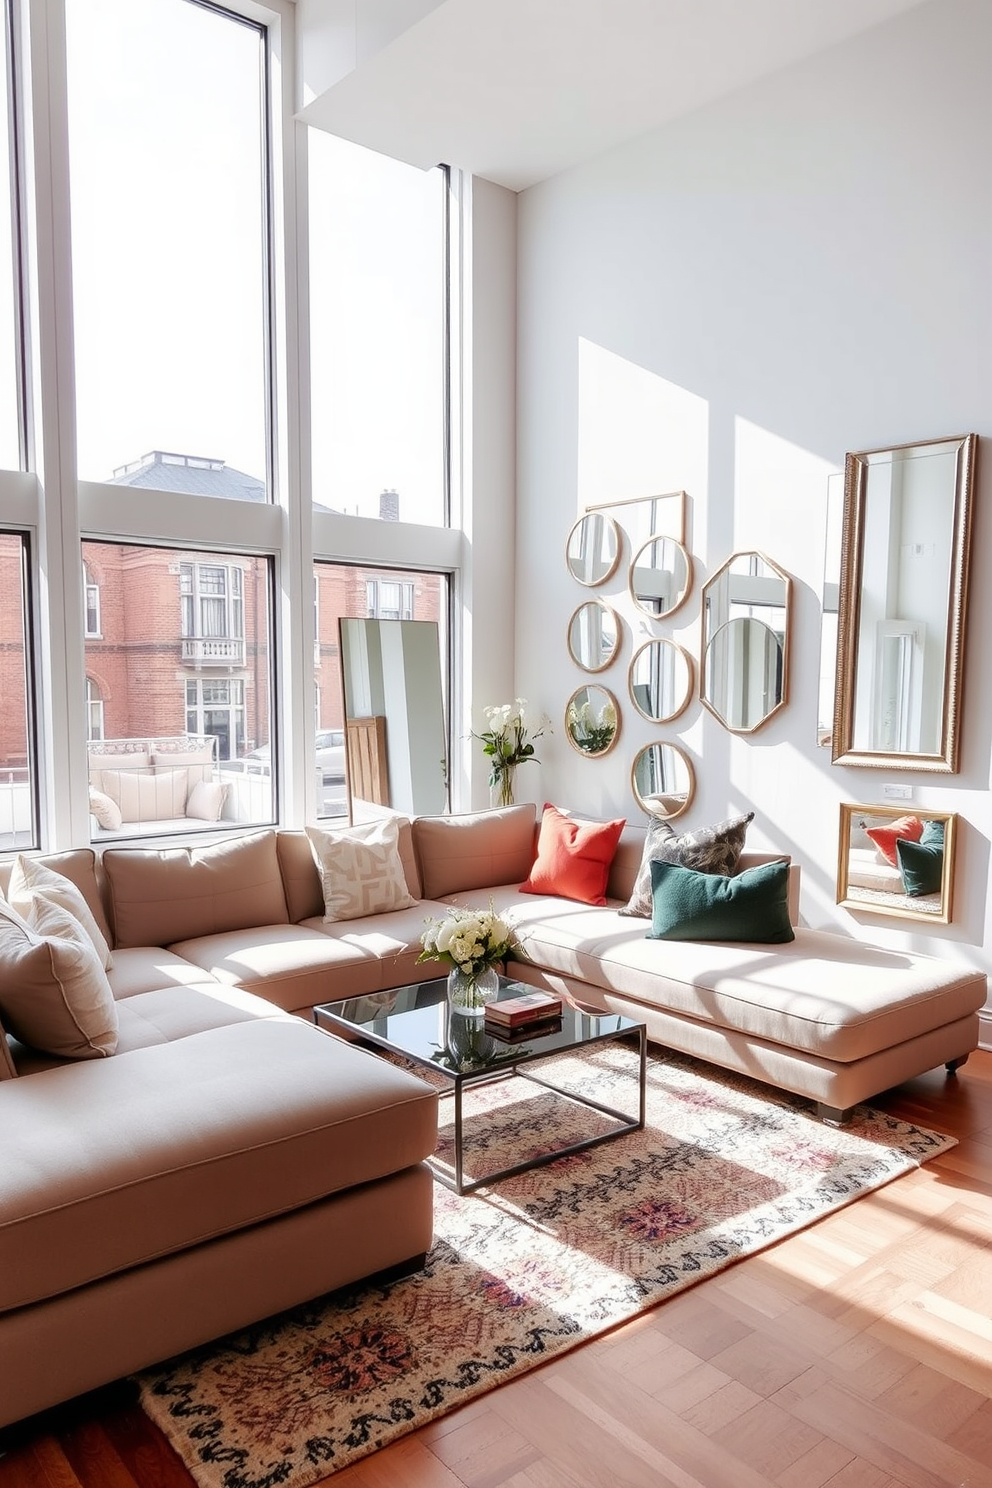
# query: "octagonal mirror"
592, 551
660, 576
660, 680
592, 721
663, 780
746, 608
593, 635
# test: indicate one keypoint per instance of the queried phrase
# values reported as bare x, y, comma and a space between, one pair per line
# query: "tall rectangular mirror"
896, 862
393, 717
901, 612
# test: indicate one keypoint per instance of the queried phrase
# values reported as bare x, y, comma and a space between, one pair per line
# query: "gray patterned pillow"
707, 850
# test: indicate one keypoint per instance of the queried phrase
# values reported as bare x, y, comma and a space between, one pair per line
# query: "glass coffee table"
416, 1024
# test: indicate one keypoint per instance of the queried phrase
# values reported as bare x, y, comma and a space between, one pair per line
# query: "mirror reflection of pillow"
921, 866
933, 833
906, 829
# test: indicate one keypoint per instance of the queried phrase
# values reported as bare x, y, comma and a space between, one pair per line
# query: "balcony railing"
214, 650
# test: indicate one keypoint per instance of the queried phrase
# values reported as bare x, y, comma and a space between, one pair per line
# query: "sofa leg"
832, 1115
953, 1065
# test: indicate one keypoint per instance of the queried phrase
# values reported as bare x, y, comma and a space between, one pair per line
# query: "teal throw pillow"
921, 866
933, 834
751, 906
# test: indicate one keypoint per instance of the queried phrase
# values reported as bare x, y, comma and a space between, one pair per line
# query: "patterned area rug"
527, 1268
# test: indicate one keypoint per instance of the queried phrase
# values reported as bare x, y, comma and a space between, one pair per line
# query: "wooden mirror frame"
690, 772
606, 610
857, 466
596, 521
645, 608
598, 728
877, 899
711, 634
681, 703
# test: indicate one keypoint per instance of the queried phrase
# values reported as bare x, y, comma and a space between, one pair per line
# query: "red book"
531, 1007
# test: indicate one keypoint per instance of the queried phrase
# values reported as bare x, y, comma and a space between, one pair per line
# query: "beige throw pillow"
147, 798
361, 872
32, 884
54, 994
106, 811
206, 800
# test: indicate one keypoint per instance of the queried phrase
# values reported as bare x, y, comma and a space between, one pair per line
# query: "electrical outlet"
897, 792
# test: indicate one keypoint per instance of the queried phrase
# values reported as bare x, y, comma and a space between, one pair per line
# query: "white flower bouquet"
471, 940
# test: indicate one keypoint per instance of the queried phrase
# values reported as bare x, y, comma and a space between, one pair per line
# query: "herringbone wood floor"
857, 1354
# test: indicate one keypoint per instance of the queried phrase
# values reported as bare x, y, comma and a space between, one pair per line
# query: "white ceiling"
517, 90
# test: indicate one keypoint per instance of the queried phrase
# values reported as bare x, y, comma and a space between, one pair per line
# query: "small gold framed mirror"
592, 550
660, 576
660, 680
897, 861
663, 780
592, 721
594, 633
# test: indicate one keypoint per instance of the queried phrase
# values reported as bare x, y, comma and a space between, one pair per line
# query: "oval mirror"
592, 721
660, 680
660, 576
592, 551
593, 635
745, 641
901, 609
663, 780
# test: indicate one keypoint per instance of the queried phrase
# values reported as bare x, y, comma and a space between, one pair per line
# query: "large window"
168, 240
377, 333
178, 679
18, 827
9, 345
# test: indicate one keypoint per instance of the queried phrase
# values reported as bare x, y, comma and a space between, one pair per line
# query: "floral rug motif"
527, 1268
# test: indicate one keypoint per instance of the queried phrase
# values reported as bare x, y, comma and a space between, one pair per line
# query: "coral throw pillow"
573, 857
908, 828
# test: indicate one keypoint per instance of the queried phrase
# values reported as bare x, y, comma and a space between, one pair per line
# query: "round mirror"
663, 780
593, 635
592, 551
660, 680
660, 576
592, 721
745, 642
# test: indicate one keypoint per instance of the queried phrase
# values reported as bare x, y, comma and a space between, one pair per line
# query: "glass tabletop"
417, 1021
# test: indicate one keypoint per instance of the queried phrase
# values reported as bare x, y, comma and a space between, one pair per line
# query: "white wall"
728, 305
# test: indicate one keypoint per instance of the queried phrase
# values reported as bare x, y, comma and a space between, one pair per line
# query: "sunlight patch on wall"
780, 493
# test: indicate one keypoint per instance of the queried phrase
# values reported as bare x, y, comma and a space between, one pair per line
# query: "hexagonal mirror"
744, 674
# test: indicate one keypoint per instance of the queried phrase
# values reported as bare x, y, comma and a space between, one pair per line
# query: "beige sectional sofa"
230, 1159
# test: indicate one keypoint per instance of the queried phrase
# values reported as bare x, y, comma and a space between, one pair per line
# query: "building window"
378, 333
389, 599
91, 604
167, 111
212, 604
18, 810
94, 711
217, 707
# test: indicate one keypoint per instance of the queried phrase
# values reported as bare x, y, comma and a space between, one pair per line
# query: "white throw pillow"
146, 798
54, 994
106, 811
361, 872
32, 883
206, 800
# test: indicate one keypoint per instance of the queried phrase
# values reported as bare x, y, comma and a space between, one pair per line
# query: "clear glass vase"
468, 995
501, 787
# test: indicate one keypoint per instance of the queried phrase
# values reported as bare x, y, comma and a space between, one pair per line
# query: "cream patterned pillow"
32, 883
54, 994
360, 869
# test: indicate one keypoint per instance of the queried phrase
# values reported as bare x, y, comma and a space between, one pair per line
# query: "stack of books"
525, 1012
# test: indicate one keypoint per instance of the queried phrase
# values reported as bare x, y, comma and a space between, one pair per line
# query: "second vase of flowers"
507, 742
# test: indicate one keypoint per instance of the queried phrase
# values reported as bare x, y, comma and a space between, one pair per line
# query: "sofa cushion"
159, 895
54, 994
715, 849
140, 759
147, 797
198, 763
149, 968
573, 857
294, 966
752, 906
225, 1129
474, 851
32, 881
205, 801
107, 812
360, 869
79, 865
301, 881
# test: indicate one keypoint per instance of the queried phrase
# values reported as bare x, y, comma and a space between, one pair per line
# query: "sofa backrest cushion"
475, 851
140, 759
301, 881
78, 865
161, 895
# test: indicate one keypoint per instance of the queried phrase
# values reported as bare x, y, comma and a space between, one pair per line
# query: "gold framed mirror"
594, 634
897, 861
745, 667
660, 680
660, 576
592, 721
663, 780
901, 609
592, 549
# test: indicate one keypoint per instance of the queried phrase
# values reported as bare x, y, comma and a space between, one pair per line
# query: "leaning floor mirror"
894, 862
394, 718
